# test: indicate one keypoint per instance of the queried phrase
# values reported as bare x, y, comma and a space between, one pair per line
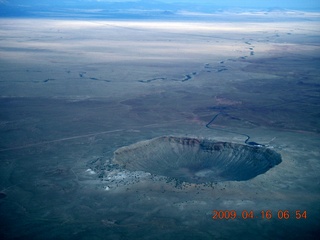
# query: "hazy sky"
253, 3
222, 3
46, 8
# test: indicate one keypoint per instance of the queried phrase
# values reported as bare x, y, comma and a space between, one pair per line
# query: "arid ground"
72, 92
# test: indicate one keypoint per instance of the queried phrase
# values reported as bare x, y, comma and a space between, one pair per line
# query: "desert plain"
72, 92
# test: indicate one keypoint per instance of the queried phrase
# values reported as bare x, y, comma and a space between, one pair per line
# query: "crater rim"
196, 160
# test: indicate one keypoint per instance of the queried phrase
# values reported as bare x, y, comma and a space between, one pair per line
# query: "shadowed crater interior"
197, 160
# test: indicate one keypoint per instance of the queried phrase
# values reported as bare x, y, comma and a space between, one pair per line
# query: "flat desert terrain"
90, 108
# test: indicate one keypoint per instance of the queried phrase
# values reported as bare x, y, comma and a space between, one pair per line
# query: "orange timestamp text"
264, 214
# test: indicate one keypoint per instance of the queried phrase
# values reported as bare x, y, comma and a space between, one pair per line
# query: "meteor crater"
196, 160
